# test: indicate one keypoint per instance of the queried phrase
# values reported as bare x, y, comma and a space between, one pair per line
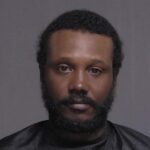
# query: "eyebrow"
69, 59
98, 61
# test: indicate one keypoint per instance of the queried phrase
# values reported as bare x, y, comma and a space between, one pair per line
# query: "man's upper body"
79, 57
40, 137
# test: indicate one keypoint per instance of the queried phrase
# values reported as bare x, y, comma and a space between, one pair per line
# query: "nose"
79, 83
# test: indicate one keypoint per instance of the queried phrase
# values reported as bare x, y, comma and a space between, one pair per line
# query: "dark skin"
80, 61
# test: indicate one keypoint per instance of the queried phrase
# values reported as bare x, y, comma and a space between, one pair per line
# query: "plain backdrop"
22, 21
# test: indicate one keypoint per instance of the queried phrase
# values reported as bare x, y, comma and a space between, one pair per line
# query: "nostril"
78, 93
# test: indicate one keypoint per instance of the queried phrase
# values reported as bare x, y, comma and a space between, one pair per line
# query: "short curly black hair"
83, 20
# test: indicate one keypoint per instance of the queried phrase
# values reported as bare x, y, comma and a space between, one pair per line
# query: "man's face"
79, 76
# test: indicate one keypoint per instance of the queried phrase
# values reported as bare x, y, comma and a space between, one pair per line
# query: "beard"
60, 122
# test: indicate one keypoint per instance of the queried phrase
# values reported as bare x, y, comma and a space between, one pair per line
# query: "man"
79, 56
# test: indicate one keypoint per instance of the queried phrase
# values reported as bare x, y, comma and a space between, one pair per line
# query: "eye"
95, 71
64, 68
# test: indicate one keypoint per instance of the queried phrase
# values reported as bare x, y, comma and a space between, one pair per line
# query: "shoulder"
130, 137
24, 137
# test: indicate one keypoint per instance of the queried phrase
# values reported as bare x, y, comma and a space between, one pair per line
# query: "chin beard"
61, 123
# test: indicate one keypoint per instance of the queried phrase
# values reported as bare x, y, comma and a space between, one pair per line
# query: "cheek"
101, 88
57, 85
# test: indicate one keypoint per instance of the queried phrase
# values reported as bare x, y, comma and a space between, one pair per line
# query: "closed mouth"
79, 106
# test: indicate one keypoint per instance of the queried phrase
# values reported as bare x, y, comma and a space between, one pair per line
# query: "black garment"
38, 137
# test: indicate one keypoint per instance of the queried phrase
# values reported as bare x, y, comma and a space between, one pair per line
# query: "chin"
78, 124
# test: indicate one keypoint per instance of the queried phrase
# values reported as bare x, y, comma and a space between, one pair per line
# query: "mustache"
77, 98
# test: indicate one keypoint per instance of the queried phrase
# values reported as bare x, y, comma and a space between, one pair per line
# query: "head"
79, 58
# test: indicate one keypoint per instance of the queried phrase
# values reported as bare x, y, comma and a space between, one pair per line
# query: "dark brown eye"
95, 71
64, 68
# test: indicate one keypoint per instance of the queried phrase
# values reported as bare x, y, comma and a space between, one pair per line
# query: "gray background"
22, 21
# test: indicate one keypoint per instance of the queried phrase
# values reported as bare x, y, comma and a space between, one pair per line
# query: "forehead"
80, 44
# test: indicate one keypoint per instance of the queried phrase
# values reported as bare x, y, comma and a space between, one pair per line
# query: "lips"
79, 106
